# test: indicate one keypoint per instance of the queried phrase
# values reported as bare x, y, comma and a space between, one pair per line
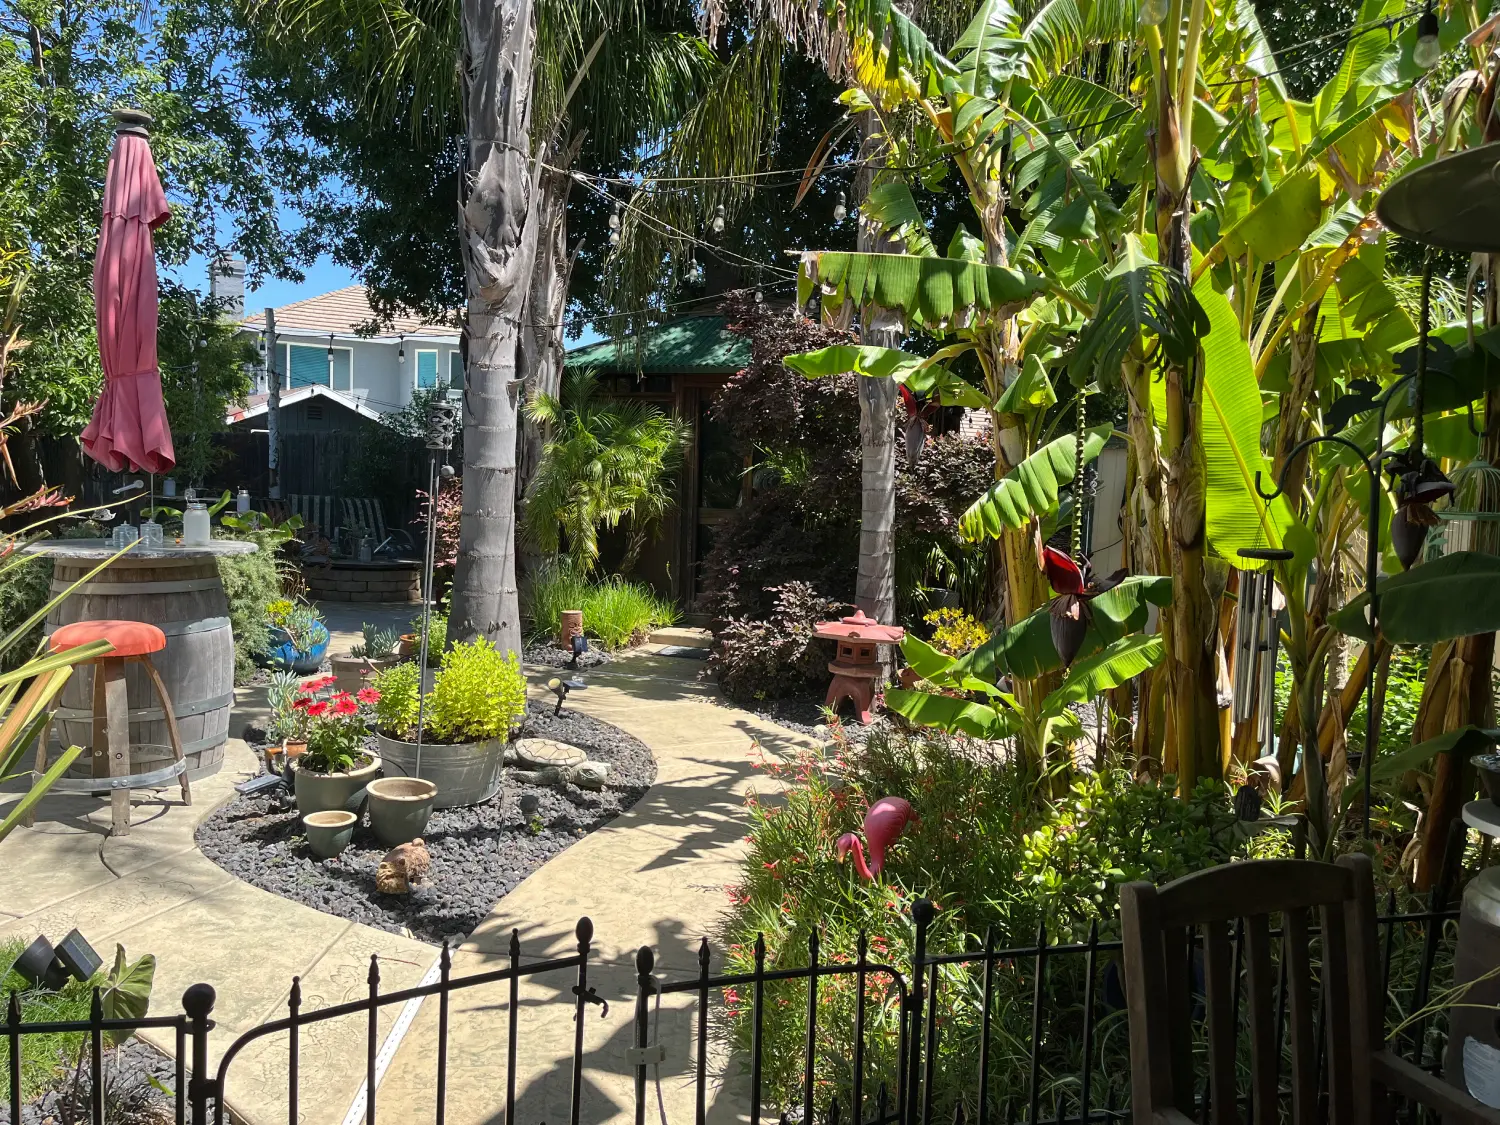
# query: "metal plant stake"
442, 423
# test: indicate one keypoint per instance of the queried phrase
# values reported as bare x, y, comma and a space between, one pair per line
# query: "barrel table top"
101, 549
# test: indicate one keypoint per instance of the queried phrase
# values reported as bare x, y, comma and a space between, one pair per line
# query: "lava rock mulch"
478, 854
135, 1074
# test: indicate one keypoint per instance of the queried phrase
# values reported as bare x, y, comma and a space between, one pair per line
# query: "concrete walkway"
654, 876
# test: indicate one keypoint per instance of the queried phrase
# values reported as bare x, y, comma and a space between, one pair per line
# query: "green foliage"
955, 632
26, 589
1030, 490
988, 855
605, 461
251, 583
1403, 695
376, 641
437, 635
615, 612
1451, 596
478, 694
333, 725
400, 689
286, 721
42, 1055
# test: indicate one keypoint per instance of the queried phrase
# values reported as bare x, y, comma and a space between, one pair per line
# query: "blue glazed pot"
283, 652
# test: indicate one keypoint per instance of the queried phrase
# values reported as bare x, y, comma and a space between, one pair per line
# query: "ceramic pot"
284, 653
410, 645
399, 808
1488, 766
320, 792
293, 748
466, 773
329, 832
353, 672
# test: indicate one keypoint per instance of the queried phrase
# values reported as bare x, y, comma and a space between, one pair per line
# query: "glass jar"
195, 525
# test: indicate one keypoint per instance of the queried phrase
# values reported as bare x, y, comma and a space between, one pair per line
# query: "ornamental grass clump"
334, 725
478, 695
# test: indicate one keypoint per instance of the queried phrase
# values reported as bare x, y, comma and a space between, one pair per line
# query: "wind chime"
1257, 632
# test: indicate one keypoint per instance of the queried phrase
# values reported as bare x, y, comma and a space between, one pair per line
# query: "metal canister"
1473, 1058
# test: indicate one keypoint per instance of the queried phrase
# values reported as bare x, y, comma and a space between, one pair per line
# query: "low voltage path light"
560, 688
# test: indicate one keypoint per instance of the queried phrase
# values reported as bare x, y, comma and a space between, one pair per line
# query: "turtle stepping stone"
545, 753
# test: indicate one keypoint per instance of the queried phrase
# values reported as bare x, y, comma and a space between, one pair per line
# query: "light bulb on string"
614, 218
760, 298
719, 220
694, 271
401, 350
1428, 50
1153, 11
614, 238
840, 209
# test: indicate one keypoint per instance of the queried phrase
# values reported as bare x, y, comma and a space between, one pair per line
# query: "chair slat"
1300, 1017
1221, 894
1146, 984
1261, 986
1336, 1017
1177, 957
1219, 988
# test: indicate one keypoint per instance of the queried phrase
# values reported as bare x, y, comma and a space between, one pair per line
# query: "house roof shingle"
694, 345
344, 312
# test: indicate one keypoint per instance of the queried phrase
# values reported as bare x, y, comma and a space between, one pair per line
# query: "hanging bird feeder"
856, 667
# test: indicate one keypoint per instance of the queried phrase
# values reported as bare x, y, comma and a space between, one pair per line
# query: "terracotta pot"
411, 644
353, 672
293, 748
320, 792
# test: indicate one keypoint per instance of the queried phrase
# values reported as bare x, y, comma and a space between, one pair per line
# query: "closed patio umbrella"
129, 426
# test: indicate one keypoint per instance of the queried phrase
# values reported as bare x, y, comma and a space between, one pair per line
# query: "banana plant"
979, 693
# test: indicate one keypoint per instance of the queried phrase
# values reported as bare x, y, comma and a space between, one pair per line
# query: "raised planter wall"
364, 582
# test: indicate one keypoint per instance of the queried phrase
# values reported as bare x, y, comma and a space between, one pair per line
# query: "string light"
840, 209
760, 298
718, 223
694, 270
401, 351
614, 218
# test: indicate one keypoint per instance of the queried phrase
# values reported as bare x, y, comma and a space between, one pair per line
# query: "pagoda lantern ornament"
856, 667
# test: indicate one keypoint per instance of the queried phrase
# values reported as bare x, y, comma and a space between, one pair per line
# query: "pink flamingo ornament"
884, 823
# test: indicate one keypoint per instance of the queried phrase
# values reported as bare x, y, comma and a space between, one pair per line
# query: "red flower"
367, 695
316, 709
300, 703
1065, 575
343, 705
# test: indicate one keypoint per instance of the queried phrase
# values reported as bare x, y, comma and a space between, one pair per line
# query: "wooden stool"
134, 642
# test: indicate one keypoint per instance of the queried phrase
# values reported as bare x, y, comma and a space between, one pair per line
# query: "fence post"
198, 1002
585, 934
645, 960
13, 1035
921, 914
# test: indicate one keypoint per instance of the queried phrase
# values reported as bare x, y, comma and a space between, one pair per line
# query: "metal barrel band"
162, 777
154, 714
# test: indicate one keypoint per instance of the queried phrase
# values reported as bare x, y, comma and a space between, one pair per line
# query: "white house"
323, 351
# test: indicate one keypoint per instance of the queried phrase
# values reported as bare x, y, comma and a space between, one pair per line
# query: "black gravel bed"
555, 657
130, 1098
478, 854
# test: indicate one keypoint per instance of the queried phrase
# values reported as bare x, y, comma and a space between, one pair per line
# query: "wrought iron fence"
915, 1083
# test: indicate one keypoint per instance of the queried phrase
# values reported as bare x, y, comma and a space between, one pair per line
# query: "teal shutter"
455, 368
427, 369
309, 366
343, 375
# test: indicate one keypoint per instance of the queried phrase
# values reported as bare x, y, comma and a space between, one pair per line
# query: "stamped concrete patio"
655, 876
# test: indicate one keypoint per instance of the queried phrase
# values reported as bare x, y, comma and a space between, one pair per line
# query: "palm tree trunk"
498, 230
542, 348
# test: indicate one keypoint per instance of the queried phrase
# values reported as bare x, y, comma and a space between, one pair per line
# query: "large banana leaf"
860, 359
1237, 517
882, 30
1457, 595
1031, 488
892, 207
1464, 741
1279, 223
1109, 668
1026, 649
938, 292
956, 716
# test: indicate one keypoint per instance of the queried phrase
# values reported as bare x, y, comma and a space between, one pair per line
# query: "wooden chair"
1158, 925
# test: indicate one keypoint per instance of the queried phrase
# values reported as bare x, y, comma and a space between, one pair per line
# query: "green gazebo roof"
694, 345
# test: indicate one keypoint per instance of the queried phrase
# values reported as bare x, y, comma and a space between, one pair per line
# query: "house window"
455, 368
427, 370
306, 365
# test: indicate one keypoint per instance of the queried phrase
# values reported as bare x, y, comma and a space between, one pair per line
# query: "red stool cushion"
130, 638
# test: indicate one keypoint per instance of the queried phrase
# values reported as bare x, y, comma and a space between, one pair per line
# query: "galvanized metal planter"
465, 773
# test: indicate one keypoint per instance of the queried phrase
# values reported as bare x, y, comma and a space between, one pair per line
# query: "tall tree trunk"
542, 348
875, 584
498, 231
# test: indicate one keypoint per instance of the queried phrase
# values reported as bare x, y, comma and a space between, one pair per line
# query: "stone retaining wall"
364, 582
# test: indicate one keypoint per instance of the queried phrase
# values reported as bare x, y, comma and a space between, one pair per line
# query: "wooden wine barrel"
179, 591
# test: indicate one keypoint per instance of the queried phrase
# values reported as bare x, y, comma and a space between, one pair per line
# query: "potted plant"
376, 650
336, 768
437, 639
285, 725
476, 697
298, 636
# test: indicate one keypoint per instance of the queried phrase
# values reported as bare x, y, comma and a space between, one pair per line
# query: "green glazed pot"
399, 808
320, 792
329, 832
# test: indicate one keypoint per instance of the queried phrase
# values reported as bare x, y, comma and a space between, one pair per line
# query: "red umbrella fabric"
129, 426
